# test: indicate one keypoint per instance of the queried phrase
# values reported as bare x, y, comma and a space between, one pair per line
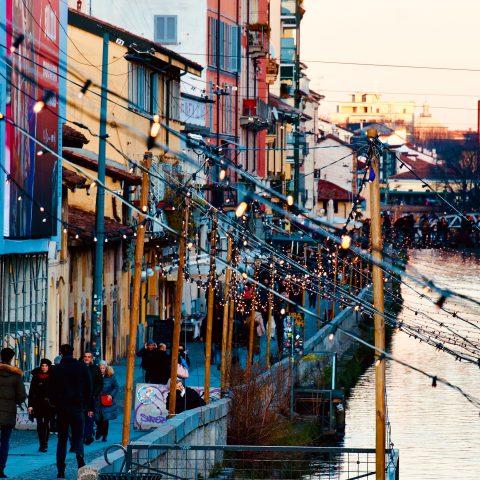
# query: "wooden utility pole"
270, 311
251, 325
177, 308
226, 307
319, 296
231, 315
137, 280
335, 275
210, 307
378, 303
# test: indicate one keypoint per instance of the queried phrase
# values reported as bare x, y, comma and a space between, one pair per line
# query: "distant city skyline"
429, 33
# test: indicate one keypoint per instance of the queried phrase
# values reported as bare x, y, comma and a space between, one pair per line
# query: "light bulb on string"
346, 241
40, 104
16, 42
84, 88
222, 174
290, 200
379, 359
241, 209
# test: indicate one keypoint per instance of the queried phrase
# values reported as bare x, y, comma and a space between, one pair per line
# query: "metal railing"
253, 462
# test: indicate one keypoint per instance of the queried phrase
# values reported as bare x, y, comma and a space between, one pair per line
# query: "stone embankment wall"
208, 425
201, 426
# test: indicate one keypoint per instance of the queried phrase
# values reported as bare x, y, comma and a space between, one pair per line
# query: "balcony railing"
256, 114
258, 36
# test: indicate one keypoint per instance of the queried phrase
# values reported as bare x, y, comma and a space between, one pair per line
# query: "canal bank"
436, 429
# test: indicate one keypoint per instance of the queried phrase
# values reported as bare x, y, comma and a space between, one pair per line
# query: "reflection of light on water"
436, 430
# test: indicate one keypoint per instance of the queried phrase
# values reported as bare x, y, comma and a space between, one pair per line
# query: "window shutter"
159, 28
222, 46
171, 36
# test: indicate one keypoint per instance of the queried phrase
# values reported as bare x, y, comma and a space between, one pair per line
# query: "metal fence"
253, 462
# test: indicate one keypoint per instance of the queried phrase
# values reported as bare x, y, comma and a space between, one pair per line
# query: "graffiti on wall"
151, 404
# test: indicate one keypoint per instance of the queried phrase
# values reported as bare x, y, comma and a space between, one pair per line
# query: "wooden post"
378, 303
361, 274
225, 325
231, 315
177, 308
270, 311
210, 307
251, 325
335, 274
319, 297
137, 278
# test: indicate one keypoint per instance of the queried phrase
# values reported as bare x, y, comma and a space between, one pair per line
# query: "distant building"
427, 128
369, 107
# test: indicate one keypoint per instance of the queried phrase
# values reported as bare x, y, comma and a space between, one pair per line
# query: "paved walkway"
25, 462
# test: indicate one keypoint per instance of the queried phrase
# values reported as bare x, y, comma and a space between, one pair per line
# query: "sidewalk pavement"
25, 462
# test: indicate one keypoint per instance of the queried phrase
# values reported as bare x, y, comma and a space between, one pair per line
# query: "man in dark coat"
150, 355
70, 393
96, 380
12, 393
187, 398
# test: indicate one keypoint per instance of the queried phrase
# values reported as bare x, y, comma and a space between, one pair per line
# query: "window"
175, 101
226, 39
141, 84
165, 29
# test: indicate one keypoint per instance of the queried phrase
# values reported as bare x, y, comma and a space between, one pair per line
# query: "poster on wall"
151, 409
293, 334
33, 36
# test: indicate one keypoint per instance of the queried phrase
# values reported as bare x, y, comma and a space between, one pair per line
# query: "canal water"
436, 430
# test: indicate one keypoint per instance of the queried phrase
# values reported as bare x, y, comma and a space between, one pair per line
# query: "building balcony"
258, 40
272, 69
256, 114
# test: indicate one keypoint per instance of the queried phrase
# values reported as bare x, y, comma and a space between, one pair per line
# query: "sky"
432, 33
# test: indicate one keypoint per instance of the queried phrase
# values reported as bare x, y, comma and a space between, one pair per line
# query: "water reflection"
436, 430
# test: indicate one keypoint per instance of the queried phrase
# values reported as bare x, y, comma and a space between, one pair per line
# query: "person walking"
12, 393
70, 392
96, 378
105, 403
150, 355
38, 402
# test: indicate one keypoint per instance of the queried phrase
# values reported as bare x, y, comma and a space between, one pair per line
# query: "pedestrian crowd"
426, 231
68, 398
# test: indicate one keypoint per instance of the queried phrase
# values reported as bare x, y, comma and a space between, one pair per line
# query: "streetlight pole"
97, 304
